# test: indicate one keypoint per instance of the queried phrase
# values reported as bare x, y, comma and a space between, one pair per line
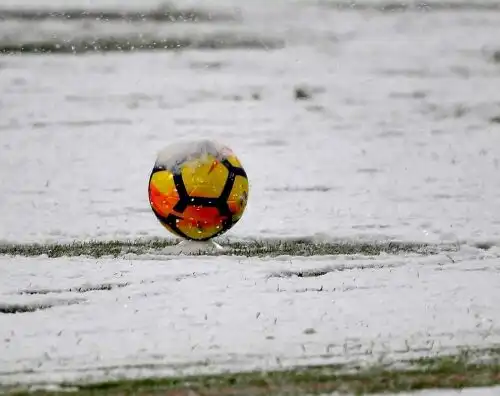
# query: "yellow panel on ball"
233, 160
204, 177
238, 197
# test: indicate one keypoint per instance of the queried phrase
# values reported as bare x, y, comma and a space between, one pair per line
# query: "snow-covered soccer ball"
198, 189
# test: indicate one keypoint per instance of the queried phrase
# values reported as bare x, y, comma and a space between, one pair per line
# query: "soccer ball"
198, 189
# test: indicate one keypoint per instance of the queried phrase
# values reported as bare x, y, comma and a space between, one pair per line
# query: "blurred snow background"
397, 137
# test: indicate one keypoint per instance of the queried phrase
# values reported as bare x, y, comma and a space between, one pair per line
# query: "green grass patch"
162, 14
299, 247
464, 369
131, 44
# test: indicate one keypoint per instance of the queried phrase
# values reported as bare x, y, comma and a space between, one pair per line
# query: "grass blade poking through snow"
300, 247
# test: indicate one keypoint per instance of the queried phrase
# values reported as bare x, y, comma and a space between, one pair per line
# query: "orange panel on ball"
162, 192
200, 222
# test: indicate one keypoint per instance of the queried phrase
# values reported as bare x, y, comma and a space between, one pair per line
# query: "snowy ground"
398, 140
164, 315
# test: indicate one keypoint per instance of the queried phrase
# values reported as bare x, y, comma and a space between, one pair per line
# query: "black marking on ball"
228, 186
234, 169
158, 168
203, 201
183, 202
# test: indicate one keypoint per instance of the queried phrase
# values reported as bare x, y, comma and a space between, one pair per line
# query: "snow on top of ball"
174, 155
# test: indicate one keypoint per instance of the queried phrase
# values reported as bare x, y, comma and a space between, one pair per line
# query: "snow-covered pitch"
354, 124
